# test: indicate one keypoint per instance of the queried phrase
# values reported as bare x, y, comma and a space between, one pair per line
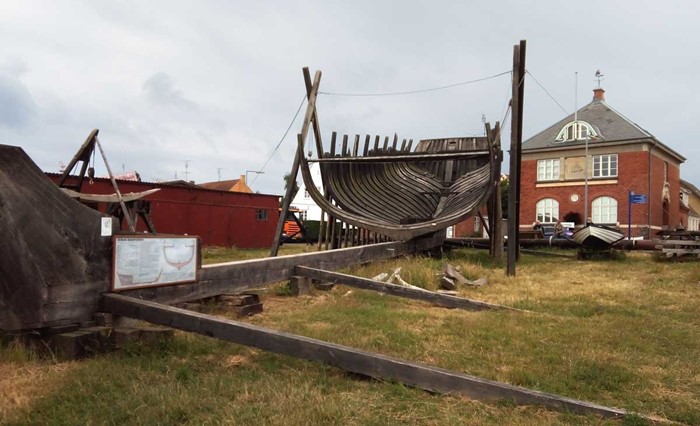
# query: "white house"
303, 201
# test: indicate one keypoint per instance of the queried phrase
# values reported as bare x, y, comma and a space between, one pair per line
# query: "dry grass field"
620, 333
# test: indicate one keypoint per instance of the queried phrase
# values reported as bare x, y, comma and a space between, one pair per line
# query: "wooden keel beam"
235, 277
438, 299
379, 366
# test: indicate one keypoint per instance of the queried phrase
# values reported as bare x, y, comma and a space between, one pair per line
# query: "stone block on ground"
300, 286
447, 283
324, 286
81, 343
248, 310
239, 299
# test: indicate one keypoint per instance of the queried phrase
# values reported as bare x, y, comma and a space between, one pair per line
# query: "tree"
295, 188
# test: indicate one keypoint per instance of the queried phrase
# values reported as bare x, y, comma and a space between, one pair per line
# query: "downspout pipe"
649, 196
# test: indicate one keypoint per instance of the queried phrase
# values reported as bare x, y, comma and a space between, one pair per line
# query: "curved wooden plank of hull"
405, 199
108, 198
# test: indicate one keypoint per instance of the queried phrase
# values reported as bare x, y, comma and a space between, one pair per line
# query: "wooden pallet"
679, 247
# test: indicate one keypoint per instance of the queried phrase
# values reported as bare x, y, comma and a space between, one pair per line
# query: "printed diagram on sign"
178, 253
145, 262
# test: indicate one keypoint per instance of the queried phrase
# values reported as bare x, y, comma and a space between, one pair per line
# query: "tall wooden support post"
321, 230
516, 138
309, 117
494, 204
86, 150
130, 221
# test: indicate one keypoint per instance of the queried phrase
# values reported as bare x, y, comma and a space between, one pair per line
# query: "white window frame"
547, 210
548, 169
576, 131
604, 210
685, 197
603, 165
693, 223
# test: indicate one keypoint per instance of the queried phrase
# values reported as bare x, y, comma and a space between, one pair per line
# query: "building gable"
607, 126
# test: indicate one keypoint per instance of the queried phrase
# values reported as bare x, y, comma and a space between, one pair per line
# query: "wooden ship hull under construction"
401, 193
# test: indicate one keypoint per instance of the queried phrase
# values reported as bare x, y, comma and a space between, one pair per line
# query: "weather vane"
599, 75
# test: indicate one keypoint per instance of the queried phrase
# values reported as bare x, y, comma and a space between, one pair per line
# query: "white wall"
303, 200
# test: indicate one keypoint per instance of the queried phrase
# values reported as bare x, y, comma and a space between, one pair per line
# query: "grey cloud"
17, 106
160, 89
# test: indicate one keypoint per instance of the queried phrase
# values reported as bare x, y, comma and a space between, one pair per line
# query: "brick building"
622, 158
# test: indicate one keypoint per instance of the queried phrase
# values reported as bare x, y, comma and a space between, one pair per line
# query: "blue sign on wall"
638, 199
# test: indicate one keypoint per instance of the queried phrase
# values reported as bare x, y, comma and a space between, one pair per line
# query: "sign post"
633, 199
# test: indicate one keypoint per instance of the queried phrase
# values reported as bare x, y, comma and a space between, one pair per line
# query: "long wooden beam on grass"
238, 276
379, 366
439, 299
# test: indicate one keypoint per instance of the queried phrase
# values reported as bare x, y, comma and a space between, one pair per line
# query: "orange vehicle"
291, 230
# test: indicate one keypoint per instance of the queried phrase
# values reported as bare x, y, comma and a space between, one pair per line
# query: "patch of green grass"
595, 375
212, 255
619, 333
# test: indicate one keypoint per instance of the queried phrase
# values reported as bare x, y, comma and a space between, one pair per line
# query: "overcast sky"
216, 83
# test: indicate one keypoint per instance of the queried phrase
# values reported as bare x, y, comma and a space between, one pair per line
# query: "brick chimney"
599, 94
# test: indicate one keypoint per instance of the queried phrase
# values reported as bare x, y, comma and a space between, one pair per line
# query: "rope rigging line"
296, 114
410, 92
547, 92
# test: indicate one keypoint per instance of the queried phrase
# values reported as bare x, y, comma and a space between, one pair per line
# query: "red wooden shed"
220, 218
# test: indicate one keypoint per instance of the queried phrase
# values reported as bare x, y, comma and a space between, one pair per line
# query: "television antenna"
187, 170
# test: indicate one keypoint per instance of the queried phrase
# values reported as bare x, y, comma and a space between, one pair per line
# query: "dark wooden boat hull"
53, 262
597, 237
407, 196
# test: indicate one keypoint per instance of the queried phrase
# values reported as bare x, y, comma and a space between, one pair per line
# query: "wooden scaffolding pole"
516, 138
308, 118
494, 204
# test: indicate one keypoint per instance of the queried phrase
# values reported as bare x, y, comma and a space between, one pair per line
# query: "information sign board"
153, 261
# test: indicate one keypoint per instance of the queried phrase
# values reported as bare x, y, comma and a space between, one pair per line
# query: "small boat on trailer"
597, 237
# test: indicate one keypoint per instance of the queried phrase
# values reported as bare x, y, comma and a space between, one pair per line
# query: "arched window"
576, 131
547, 210
604, 210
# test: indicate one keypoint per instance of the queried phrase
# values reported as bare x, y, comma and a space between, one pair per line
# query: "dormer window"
576, 131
